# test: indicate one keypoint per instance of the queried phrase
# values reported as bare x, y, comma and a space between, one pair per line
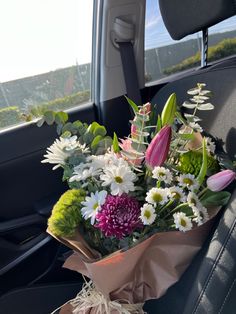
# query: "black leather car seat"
209, 284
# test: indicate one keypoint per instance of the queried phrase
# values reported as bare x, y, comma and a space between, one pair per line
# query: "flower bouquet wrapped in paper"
138, 209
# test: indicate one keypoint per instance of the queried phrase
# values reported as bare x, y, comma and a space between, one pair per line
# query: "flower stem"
179, 207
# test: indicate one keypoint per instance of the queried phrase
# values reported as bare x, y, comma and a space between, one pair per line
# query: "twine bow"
90, 298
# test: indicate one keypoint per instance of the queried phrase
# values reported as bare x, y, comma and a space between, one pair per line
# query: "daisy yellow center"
183, 222
95, 206
161, 174
176, 195
147, 214
188, 181
118, 179
157, 197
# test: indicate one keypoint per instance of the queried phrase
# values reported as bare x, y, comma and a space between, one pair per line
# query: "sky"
37, 36
156, 34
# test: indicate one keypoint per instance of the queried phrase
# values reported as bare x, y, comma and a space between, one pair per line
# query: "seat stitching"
211, 273
227, 296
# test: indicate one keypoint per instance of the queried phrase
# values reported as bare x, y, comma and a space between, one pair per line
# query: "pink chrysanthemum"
119, 216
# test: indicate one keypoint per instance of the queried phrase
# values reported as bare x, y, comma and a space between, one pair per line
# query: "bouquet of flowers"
138, 209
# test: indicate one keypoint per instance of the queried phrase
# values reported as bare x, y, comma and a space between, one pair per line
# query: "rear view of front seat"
209, 285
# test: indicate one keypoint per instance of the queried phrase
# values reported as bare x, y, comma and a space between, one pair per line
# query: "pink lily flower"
158, 149
220, 180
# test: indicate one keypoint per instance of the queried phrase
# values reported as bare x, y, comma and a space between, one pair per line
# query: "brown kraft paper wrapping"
144, 271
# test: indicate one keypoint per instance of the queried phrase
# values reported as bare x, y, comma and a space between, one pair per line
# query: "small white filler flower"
182, 222
188, 181
162, 174
157, 196
148, 214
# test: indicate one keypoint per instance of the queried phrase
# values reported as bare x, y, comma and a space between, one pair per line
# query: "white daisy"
182, 222
210, 145
84, 171
60, 150
92, 205
157, 196
162, 174
204, 213
198, 218
193, 200
176, 193
148, 214
188, 180
120, 178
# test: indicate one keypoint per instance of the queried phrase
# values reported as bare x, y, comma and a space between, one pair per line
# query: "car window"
163, 55
45, 57
222, 40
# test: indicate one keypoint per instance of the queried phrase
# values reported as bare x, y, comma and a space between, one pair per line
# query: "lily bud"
220, 180
169, 110
158, 149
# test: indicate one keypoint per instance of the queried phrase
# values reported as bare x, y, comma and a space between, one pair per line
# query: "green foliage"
59, 104
66, 215
215, 198
191, 162
9, 116
115, 143
225, 48
203, 170
132, 104
169, 110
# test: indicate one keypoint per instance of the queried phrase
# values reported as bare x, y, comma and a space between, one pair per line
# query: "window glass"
222, 40
163, 55
45, 56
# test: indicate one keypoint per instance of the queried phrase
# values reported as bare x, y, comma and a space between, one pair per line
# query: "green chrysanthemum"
191, 162
66, 214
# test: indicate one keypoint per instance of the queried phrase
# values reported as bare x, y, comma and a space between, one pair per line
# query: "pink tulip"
220, 180
158, 149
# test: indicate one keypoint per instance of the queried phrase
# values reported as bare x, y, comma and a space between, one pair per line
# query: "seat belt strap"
130, 71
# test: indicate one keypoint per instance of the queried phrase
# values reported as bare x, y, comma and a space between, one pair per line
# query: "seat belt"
130, 71
124, 36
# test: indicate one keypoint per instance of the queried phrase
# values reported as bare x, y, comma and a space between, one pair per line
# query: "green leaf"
115, 143
203, 170
159, 124
211, 198
88, 137
68, 127
40, 122
186, 136
97, 129
49, 117
66, 134
169, 110
59, 128
103, 145
132, 104
180, 117
96, 141
61, 117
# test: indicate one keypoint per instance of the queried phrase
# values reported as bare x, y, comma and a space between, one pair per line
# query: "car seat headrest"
184, 17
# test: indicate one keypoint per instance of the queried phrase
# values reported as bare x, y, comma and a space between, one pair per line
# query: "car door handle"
17, 223
14, 254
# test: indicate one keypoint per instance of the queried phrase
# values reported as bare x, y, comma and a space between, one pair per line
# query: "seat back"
209, 284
